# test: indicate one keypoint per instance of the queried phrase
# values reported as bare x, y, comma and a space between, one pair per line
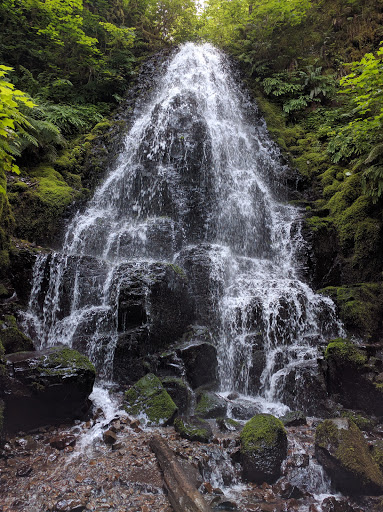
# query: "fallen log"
182, 495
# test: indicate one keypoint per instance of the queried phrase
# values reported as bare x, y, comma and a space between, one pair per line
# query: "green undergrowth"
334, 193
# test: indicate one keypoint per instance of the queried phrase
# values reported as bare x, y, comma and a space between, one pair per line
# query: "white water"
198, 171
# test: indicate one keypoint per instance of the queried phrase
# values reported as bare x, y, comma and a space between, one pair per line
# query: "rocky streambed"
106, 463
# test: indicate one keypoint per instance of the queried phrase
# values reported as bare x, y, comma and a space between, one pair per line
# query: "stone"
200, 360
194, 429
353, 377
344, 453
62, 440
263, 448
109, 437
294, 419
47, 387
179, 391
149, 400
210, 405
161, 288
244, 409
228, 425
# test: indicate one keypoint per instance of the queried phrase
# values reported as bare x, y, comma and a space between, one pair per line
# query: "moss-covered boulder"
194, 429
344, 453
353, 374
263, 448
179, 391
360, 307
148, 400
12, 338
210, 405
46, 387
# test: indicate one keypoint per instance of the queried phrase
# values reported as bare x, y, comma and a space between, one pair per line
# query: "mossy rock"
344, 453
179, 391
263, 448
343, 351
194, 429
210, 405
148, 400
363, 423
228, 425
12, 338
47, 387
294, 419
360, 307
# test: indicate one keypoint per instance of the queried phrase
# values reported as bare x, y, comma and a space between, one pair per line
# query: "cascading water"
197, 185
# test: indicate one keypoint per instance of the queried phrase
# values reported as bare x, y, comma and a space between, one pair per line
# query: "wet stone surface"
39, 475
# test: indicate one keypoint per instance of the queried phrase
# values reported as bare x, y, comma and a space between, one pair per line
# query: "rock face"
344, 453
354, 377
263, 448
50, 386
149, 400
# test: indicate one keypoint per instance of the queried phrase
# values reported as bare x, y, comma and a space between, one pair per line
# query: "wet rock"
244, 409
353, 377
179, 392
200, 360
286, 490
109, 437
294, 419
228, 425
210, 405
62, 440
332, 504
194, 429
70, 505
263, 448
149, 400
161, 288
224, 505
344, 453
24, 471
47, 387
12, 339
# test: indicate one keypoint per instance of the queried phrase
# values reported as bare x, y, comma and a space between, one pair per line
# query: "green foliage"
13, 122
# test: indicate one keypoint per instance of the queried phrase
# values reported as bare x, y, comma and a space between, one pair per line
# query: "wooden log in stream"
182, 495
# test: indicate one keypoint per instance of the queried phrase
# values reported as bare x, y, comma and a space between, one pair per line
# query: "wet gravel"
50, 470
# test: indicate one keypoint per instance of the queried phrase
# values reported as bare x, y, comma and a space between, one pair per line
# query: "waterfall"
197, 186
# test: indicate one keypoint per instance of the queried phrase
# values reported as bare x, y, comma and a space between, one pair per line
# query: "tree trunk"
182, 495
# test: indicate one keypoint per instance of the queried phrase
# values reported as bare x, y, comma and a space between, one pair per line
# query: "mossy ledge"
344, 350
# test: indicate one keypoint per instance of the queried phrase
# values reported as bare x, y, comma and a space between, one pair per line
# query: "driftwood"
182, 495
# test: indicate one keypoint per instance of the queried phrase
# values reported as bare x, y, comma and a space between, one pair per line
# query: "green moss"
377, 454
178, 270
360, 421
102, 127
350, 448
360, 307
64, 357
148, 399
263, 430
316, 223
344, 350
194, 429
3, 290
14, 340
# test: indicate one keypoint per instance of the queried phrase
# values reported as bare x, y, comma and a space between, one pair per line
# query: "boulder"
46, 387
244, 409
179, 391
294, 419
344, 453
149, 400
210, 405
200, 360
353, 375
12, 338
263, 448
194, 429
